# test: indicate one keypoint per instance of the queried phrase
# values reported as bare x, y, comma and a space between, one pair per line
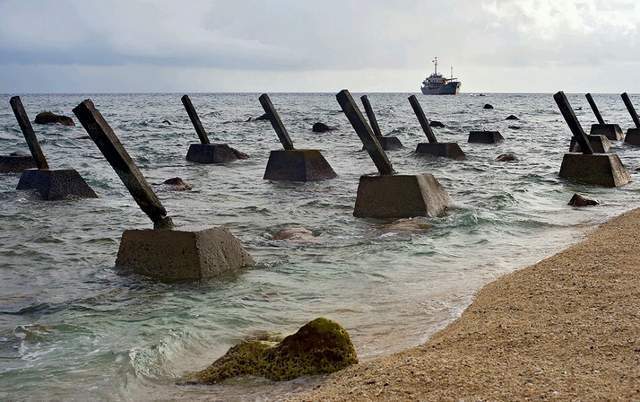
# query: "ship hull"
451, 88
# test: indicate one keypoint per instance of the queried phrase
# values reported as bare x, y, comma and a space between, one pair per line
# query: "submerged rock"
167, 122
177, 184
321, 128
295, 234
512, 117
514, 127
265, 116
320, 347
239, 154
487, 106
52, 118
436, 124
506, 158
581, 201
417, 224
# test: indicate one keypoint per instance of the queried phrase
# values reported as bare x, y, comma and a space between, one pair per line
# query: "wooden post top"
368, 138
595, 109
29, 134
276, 122
195, 120
631, 109
572, 122
424, 123
109, 144
373, 121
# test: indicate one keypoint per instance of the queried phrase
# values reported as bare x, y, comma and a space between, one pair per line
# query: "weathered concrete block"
449, 150
211, 153
55, 184
597, 169
389, 143
632, 137
611, 131
485, 137
175, 255
16, 163
599, 143
298, 165
400, 196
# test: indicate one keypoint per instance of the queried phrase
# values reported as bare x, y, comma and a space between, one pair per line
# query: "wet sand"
566, 328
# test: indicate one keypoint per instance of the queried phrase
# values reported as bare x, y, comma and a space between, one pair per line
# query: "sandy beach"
566, 328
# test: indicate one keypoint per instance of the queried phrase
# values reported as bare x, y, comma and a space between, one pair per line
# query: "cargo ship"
436, 84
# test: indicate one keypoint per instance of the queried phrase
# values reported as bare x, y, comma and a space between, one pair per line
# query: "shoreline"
566, 327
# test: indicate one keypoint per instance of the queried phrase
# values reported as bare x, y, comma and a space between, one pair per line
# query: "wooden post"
417, 109
276, 123
631, 109
109, 144
373, 121
371, 143
594, 107
195, 120
573, 123
29, 134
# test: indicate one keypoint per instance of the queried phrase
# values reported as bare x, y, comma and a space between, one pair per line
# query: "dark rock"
581, 201
512, 117
487, 106
52, 118
514, 127
177, 184
319, 347
506, 158
321, 128
295, 234
265, 116
239, 154
436, 123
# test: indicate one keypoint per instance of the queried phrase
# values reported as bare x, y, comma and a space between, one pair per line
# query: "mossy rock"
320, 347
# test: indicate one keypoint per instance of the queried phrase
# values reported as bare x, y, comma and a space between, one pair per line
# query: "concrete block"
599, 143
16, 163
597, 169
400, 196
55, 184
633, 137
485, 137
298, 165
449, 150
176, 255
611, 131
389, 143
211, 153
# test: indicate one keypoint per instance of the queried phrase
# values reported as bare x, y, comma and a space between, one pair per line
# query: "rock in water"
177, 184
436, 124
580, 201
52, 118
239, 154
321, 128
320, 347
506, 158
487, 106
514, 127
295, 233
512, 117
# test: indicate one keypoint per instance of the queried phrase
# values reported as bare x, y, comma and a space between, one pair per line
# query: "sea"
74, 327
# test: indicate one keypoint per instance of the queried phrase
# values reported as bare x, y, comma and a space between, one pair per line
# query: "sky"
317, 46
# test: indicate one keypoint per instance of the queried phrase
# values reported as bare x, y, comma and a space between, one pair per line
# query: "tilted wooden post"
631, 109
417, 109
573, 123
195, 120
276, 123
29, 134
594, 107
373, 121
109, 144
365, 133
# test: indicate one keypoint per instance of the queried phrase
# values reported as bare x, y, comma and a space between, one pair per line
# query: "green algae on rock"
321, 346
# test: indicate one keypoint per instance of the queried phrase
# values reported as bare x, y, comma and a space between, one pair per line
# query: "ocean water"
74, 328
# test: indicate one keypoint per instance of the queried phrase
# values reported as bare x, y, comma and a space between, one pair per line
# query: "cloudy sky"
300, 45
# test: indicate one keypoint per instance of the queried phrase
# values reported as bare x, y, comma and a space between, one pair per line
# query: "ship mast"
451, 72
435, 61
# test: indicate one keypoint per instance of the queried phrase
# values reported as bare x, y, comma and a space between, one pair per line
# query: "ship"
436, 84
